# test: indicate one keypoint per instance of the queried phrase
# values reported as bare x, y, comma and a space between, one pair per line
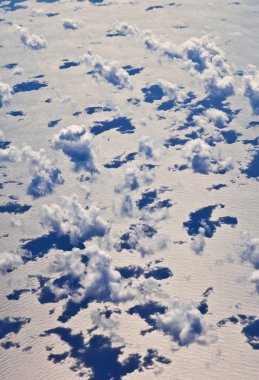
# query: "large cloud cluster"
5, 94
108, 71
249, 252
97, 280
45, 176
72, 219
200, 156
202, 55
184, 323
251, 89
199, 55
76, 142
32, 41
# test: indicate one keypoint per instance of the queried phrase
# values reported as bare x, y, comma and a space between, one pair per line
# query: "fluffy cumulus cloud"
72, 219
134, 178
249, 249
199, 55
9, 261
147, 149
251, 89
125, 29
198, 242
109, 72
76, 143
184, 323
5, 94
173, 91
217, 117
45, 176
202, 159
144, 242
32, 41
203, 56
71, 24
255, 280
98, 279
166, 49
249, 252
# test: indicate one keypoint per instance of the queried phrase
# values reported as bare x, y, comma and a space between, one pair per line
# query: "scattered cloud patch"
32, 41
45, 176
184, 323
77, 143
109, 72
72, 219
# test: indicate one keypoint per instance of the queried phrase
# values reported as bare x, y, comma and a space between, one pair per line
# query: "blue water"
12, 325
16, 113
68, 64
43, 244
152, 93
217, 187
154, 7
252, 170
28, 86
98, 354
121, 124
91, 110
118, 161
202, 218
53, 123
14, 208
147, 198
133, 70
10, 66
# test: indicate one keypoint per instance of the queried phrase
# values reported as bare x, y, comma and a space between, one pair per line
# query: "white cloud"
32, 41
1, 135
249, 249
76, 142
127, 29
9, 261
72, 219
18, 71
45, 176
37, 12
147, 149
5, 94
217, 117
184, 323
204, 57
172, 91
110, 72
144, 243
198, 242
200, 56
134, 178
203, 160
167, 49
71, 24
251, 89
255, 280
98, 279
249, 252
